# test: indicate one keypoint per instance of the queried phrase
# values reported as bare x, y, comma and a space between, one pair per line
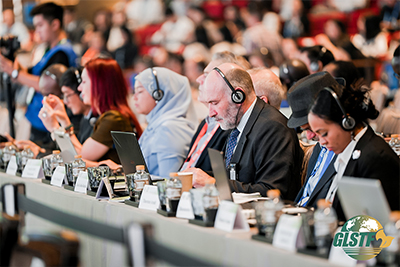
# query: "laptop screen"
221, 178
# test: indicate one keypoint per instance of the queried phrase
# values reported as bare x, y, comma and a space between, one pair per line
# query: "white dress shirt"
341, 163
244, 121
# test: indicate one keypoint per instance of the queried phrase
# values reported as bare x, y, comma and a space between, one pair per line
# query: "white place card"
337, 256
229, 217
99, 196
81, 182
33, 169
185, 209
286, 232
149, 199
12, 166
58, 176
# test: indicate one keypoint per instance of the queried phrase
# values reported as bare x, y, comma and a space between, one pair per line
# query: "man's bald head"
237, 77
267, 86
49, 82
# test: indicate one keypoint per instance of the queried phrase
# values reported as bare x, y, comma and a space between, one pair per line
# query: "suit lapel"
326, 178
258, 107
351, 165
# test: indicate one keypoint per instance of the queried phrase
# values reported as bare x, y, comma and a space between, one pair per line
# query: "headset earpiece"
348, 122
314, 65
237, 96
157, 93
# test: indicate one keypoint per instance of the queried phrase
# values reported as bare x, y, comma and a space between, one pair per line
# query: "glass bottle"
271, 213
173, 193
141, 178
77, 165
56, 160
325, 224
210, 202
388, 255
25, 155
8, 151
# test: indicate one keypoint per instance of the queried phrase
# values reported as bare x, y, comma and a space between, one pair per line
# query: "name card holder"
81, 184
339, 257
185, 210
58, 176
287, 232
149, 199
230, 217
132, 203
12, 167
33, 169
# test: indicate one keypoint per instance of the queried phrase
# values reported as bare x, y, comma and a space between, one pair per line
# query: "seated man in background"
319, 169
262, 151
208, 134
267, 86
48, 21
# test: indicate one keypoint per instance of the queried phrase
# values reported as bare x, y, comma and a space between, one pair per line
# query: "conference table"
218, 247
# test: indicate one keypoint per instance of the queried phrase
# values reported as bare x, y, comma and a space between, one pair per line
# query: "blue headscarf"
171, 123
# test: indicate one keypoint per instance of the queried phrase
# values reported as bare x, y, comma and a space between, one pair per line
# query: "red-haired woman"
103, 87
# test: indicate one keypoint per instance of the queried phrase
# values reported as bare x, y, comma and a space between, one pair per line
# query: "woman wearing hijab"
165, 98
341, 124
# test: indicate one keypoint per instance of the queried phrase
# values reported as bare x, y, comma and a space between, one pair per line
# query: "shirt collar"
246, 117
344, 157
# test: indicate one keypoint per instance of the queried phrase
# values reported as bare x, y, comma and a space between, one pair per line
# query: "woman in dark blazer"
341, 123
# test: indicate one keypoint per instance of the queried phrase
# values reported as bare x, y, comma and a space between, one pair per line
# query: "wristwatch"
14, 74
69, 129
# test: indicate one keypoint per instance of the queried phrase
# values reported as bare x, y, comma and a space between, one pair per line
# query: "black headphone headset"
78, 76
314, 65
348, 122
157, 93
237, 95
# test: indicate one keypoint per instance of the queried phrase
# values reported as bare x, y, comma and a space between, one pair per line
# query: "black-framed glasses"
65, 97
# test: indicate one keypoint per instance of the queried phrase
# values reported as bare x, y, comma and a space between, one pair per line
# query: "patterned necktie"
231, 146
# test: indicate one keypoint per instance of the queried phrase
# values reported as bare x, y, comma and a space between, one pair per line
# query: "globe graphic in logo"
362, 238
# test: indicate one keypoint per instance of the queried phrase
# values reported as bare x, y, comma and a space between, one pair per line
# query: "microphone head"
92, 121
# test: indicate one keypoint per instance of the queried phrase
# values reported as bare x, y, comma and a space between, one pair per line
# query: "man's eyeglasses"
67, 96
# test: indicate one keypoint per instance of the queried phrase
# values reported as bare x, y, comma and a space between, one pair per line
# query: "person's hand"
6, 65
111, 164
200, 178
323, 39
9, 139
58, 107
34, 147
48, 117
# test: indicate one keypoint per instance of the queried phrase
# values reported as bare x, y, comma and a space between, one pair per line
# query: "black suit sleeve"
274, 162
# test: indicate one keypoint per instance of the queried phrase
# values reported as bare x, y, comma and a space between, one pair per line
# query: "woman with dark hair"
340, 122
69, 83
103, 87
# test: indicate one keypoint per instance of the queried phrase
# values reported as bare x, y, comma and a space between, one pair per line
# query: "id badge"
232, 171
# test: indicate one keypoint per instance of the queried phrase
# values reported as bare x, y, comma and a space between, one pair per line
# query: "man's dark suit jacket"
377, 161
217, 142
268, 154
322, 187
